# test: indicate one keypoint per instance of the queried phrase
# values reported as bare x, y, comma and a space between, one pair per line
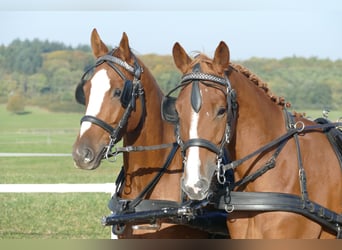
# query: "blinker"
79, 93
126, 93
168, 109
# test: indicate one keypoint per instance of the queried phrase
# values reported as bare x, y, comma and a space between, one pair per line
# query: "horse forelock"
200, 58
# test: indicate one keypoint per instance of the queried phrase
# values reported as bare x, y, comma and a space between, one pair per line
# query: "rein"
265, 201
293, 129
122, 207
131, 204
129, 149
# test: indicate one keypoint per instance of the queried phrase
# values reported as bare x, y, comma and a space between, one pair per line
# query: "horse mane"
279, 100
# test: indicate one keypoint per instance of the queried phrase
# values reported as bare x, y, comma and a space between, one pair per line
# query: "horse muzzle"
86, 158
196, 191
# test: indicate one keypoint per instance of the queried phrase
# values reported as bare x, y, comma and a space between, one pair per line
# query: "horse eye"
117, 93
221, 111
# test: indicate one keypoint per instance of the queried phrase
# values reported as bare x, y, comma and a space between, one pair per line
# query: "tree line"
45, 74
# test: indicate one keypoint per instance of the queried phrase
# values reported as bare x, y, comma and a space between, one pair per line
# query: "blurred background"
45, 48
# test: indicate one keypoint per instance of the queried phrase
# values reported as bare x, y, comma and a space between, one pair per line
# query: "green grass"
40, 131
53, 216
313, 114
53, 170
37, 131
49, 216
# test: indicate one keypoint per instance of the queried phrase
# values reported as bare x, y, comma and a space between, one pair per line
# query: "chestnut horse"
224, 106
122, 101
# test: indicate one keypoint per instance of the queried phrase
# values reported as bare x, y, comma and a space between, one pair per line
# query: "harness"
268, 201
140, 210
228, 200
194, 213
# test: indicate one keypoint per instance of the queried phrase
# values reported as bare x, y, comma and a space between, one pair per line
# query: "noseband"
131, 90
195, 78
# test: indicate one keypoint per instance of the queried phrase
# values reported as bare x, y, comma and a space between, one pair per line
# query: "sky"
251, 28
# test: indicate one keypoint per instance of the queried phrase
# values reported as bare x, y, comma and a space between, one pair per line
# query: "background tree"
16, 103
46, 74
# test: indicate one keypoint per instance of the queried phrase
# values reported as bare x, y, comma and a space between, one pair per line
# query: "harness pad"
335, 138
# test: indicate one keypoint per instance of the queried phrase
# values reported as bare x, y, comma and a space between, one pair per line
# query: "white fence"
58, 188
54, 188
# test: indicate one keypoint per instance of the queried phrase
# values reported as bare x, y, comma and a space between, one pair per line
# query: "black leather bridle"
195, 78
132, 90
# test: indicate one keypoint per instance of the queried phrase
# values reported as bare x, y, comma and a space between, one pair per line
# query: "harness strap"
233, 165
148, 211
155, 180
130, 205
269, 201
199, 142
200, 76
108, 57
302, 174
268, 165
129, 149
98, 122
293, 130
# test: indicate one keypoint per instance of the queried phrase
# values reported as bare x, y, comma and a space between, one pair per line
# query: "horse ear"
221, 58
181, 58
98, 47
124, 49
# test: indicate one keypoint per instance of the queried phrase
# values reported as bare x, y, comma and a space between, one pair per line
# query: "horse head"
109, 90
202, 114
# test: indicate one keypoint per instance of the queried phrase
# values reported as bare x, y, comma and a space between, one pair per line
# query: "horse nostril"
202, 184
88, 155
197, 191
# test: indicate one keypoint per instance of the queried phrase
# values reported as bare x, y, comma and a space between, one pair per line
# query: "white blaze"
100, 84
193, 162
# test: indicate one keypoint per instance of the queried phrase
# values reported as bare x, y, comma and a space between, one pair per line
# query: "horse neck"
153, 129
259, 119
141, 166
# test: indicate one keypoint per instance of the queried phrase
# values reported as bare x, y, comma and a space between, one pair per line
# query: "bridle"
195, 78
131, 91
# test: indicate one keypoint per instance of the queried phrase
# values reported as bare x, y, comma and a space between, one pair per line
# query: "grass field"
48, 216
334, 115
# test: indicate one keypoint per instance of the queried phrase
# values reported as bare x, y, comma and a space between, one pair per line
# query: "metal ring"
113, 154
229, 210
301, 126
221, 178
118, 229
